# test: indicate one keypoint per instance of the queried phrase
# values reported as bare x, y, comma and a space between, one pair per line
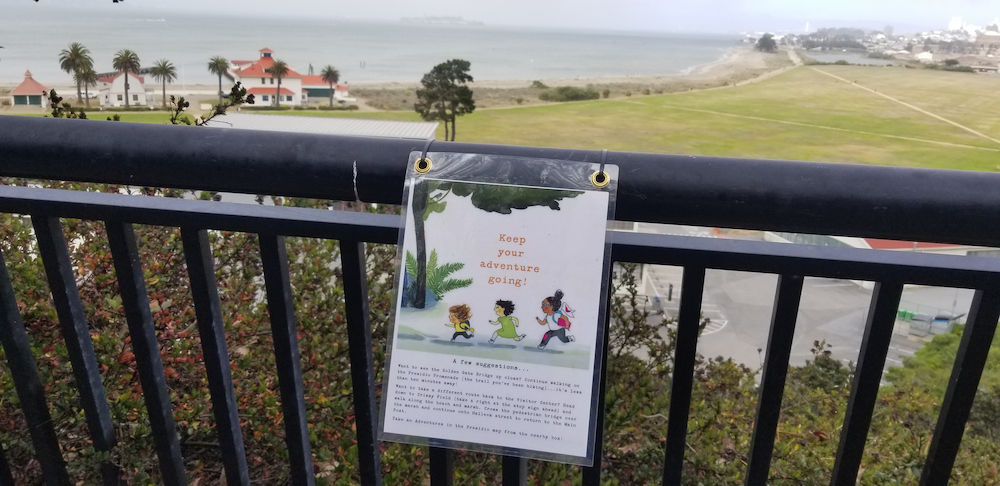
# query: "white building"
925, 57
258, 81
296, 89
111, 90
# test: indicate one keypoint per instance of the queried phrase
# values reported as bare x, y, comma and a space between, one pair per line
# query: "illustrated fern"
437, 276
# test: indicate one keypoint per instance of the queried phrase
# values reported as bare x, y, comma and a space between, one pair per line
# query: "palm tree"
164, 72
278, 70
331, 76
126, 61
73, 59
88, 77
218, 65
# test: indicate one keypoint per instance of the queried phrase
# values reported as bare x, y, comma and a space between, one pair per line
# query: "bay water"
363, 51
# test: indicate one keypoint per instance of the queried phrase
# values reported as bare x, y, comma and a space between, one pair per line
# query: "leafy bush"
569, 93
538, 85
605, 93
338, 108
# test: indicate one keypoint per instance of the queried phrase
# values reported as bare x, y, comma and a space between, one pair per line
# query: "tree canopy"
445, 94
75, 59
126, 61
218, 65
278, 70
164, 72
331, 76
766, 43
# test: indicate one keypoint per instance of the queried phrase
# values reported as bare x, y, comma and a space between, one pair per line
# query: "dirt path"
921, 110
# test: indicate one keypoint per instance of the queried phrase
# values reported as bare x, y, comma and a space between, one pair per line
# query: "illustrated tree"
330, 76
126, 61
74, 59
278, 70
164, 72
429, 198
766, 43
218, 66
88, 77
445, 95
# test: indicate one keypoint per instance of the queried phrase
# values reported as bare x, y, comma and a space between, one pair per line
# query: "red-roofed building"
111, 90
30, 93
259, 82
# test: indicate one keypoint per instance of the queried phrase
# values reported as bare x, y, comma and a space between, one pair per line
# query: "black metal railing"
851, 200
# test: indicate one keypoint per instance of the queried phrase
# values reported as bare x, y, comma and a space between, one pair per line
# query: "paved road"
739, 306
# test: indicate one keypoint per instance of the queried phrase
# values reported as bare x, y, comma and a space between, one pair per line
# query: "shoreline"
739, 63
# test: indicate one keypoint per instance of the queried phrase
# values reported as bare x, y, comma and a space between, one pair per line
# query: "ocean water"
363, 51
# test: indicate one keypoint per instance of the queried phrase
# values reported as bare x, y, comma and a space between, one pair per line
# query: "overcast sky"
655, 15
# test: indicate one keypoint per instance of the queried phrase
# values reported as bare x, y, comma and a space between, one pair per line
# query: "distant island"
441, 20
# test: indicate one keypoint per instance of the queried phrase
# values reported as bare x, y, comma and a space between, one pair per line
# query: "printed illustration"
466, 244
508, 323
459, 316
557, 314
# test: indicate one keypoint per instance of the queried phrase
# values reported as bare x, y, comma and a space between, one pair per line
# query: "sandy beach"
740, 64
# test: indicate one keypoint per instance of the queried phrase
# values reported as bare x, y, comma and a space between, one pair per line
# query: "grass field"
803, 114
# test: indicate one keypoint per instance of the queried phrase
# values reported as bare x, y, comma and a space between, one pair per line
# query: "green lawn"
801, 115
128, 116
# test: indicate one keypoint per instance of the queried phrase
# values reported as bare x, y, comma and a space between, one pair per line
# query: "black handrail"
911, 204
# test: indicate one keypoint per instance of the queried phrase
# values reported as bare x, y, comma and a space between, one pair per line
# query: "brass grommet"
423, 165
600, 179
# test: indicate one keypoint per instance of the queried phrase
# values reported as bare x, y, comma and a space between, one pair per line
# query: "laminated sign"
500, 306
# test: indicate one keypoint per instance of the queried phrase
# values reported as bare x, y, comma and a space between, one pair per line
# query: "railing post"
359, 335
772, 384
867, 378
145, 344
76, 333
29, 387
689, 317
212, 331
963, 385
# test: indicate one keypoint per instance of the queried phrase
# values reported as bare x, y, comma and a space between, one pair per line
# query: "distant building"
111, 90
256, 78
296, 89
925, 57
30, 93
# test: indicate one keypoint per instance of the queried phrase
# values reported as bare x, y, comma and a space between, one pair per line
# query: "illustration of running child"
508, 324
459, 316
557, 314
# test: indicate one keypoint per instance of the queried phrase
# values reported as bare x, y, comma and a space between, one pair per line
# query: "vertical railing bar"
135, 301
689, 317
76, 333
211, 329
6, 477
592, 474
772, 383
442, 466
30, 391
867, 379
963, 385
281, 307
515, 471
359, 336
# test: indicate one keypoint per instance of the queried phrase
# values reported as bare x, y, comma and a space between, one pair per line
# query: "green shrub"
606, 93
569, 93
645, 91
539, 85
338, 108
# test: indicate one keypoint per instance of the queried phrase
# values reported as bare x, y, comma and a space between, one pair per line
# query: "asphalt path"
739, 306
